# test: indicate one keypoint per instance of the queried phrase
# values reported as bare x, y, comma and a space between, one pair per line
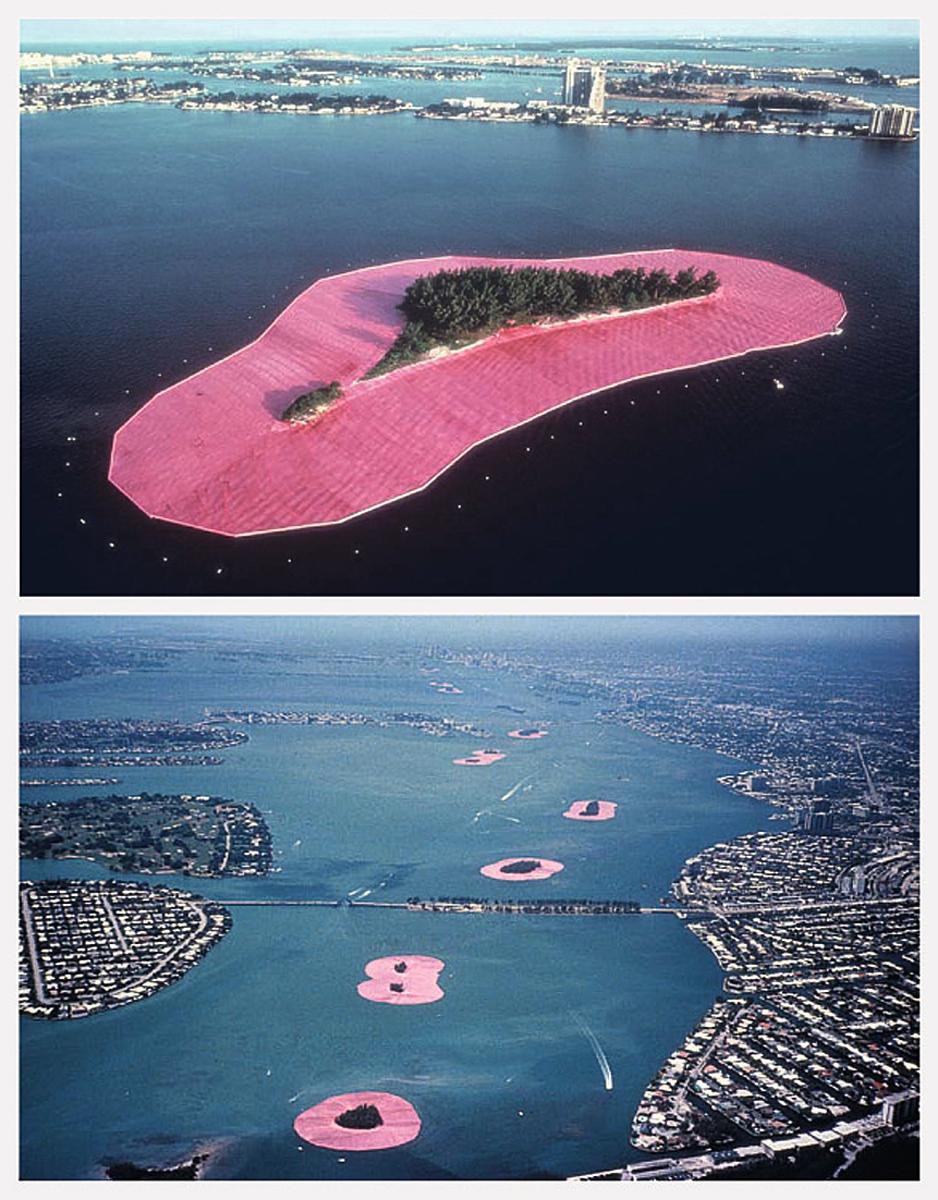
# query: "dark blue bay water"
150, 235
269, 1023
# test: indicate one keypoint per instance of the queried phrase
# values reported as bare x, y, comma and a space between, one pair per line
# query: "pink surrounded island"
544, 868
479, 758
209, 452
399, 1122
528, 735
402, 979
591, 810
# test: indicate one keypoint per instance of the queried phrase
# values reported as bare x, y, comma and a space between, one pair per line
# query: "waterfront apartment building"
892, 121
584, 85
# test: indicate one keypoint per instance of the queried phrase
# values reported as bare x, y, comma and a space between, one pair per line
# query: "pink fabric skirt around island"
420, 980
479, 758
528, 735
607, 810
546, 867
400, 1123
209, 451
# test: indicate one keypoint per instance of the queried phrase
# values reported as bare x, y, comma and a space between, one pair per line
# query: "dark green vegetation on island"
312, 404
192, 835
184, 1170
365, 1116
524, 867
451, 308
304, 102
575, 907
784, 101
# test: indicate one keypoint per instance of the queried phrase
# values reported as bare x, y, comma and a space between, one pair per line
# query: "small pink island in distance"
528, 735
210, 452
399, 1122
479, 758
402, 979
591, 810
448, 689
506, 868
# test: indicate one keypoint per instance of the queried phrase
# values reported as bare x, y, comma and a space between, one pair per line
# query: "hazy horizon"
494, 630
53, 32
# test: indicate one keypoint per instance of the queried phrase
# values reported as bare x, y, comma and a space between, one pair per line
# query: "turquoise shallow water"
270, 1022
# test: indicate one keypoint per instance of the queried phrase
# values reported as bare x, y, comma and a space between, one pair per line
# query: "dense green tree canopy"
312, 404
451, 307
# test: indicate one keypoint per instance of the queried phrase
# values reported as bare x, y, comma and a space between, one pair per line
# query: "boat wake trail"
487, 812
598, 1051
513, 790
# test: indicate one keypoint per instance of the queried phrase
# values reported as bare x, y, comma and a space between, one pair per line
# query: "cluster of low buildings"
583, 99
436, 726
243, 845
90, 945
62, 95
818, 1031
765, 870
106, 742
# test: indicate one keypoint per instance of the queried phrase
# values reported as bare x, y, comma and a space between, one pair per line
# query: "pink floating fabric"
419, 980
209, 451
400, 1122
479, 758
545, 868
528, 735
577, 810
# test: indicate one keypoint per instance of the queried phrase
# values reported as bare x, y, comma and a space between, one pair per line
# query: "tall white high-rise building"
892, 121
584, 85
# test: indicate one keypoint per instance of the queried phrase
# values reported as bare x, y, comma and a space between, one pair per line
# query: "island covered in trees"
193, 835
449, 309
